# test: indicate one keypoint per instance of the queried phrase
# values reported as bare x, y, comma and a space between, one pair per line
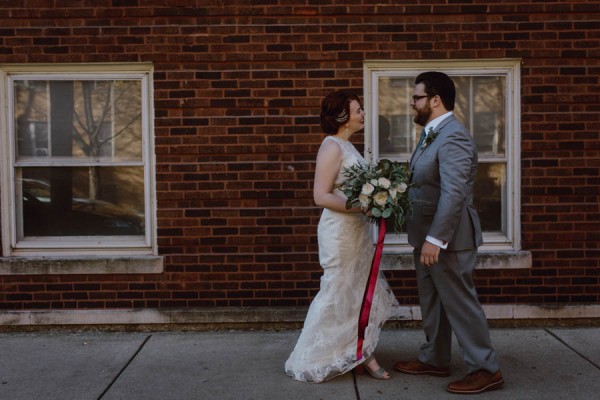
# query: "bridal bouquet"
380, 188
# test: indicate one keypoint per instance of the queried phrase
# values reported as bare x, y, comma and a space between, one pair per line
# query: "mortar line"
124, 367
571, 348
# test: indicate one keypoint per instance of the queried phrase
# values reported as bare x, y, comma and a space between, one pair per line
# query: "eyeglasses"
417, 98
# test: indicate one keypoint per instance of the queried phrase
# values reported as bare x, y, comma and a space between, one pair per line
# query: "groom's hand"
429, 254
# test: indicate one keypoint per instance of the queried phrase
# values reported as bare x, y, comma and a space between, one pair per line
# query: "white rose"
380, 198
363, 199
367, 189
401, 188
384, 183
393, 192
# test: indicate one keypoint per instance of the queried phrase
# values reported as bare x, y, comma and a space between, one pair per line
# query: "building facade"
158, 155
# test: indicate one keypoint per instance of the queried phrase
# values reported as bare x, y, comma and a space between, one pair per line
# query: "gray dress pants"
449, 303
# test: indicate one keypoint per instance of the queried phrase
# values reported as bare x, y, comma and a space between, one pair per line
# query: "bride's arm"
329, 161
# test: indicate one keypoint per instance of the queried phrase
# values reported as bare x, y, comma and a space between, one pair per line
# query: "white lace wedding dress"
327, 344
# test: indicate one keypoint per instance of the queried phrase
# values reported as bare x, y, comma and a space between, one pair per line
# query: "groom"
445, 232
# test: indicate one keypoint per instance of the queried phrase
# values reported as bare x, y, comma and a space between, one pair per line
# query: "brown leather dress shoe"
417, 367
477, 382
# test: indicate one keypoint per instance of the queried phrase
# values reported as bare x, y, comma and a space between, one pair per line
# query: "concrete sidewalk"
537, 363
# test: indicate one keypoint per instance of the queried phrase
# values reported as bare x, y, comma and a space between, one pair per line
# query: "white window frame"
63, 246
510, 68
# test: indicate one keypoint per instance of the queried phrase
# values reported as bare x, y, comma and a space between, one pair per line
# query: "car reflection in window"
83, 217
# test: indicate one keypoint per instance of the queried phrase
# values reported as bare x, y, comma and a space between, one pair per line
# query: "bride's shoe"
380, 373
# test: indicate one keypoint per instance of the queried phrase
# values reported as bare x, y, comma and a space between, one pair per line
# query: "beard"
423, 115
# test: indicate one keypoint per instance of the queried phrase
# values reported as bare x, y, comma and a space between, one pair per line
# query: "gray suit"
442, 195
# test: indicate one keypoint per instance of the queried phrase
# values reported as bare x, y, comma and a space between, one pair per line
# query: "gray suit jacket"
442, 193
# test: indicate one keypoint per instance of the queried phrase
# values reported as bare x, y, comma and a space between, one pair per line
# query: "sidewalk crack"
356, 391
572, 348
124, 367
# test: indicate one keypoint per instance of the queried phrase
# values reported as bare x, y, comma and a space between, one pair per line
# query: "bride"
328, 342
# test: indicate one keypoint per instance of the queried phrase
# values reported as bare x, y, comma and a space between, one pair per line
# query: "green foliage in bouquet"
381, 189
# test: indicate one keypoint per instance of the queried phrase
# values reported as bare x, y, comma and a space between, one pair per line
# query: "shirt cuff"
437, 242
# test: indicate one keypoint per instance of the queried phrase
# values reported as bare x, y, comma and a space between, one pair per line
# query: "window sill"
81, 265
485, 260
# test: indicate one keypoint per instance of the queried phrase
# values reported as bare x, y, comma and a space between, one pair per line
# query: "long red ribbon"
365, 308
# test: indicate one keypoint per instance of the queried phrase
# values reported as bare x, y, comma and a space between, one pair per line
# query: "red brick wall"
237, 88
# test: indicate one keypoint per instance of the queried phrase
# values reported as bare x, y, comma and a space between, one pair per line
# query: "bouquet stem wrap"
365, 308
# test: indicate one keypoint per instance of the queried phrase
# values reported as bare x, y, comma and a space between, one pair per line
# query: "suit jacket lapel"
419, 144
418, 150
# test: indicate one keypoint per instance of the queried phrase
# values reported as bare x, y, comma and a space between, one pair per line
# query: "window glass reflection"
82, 119
480, 105
88, 201
489, 196
397, 131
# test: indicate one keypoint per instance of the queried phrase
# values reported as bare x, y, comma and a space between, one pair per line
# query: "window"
487, 102
77, 173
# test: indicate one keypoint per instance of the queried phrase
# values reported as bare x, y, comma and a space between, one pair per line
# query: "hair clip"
342, 117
